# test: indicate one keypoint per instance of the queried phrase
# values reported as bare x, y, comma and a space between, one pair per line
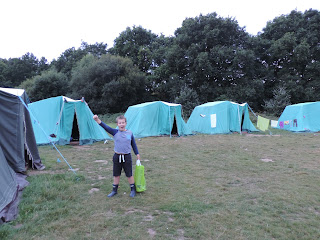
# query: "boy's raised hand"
96, 118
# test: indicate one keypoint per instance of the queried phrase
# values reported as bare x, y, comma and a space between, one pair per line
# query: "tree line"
209, 58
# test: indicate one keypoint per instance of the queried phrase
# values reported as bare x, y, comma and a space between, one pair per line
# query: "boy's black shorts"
122, 161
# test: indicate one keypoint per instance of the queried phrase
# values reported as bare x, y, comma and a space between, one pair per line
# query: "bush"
277, 104
188, 99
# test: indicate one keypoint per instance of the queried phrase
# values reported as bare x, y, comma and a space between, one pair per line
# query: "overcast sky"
48, 28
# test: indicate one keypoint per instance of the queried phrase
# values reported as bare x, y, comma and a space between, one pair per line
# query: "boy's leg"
131, 180
116, 180
116, 176
128, 171
133, 187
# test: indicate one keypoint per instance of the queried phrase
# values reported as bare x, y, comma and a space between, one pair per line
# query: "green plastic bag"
139, 178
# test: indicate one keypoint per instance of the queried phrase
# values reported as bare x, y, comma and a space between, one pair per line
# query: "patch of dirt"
101, 161
92, 190
152, 232
148, 218
36, 172
167, 213
258, 135
315, 211
17, 226
81, 147
266, 160
181, 234
74, 169
133, 210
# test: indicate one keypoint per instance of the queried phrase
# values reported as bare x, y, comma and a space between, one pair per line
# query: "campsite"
226, 123
230, 186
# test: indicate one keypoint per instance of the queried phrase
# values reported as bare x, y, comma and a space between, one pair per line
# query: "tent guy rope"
47, 135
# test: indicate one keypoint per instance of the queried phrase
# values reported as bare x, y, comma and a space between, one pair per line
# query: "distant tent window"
213, 118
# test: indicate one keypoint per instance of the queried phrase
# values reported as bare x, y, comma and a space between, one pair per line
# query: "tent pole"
58, 122
170, 121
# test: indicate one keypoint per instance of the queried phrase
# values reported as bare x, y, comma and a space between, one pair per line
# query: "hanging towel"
263, 123
274, 123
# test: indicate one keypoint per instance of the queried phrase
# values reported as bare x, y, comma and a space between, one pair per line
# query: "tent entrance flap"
174, 130
75, 134
242, 120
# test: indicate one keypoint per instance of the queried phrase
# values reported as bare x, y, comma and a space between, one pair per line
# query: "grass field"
250, 186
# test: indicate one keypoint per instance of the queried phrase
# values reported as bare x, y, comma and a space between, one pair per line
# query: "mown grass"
250, 186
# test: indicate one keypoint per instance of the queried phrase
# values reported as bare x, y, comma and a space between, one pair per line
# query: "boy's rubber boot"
133, 190
114, 190
133, 193
112, 193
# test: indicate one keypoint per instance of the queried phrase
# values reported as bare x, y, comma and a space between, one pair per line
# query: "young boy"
123, 141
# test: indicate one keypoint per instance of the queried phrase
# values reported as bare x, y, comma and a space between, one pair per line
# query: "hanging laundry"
263, 123
281, 124
295, 122
274, 123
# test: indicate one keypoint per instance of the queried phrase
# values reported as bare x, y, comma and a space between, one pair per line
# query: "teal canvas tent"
301, 117
61, 119
155, 119
220, 117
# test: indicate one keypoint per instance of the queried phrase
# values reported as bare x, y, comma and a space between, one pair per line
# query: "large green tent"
301, 117
17, 137
8, 186
61, 119
17, 150
220, 117
155, 119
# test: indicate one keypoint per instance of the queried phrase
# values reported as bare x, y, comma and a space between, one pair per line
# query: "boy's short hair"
121, 117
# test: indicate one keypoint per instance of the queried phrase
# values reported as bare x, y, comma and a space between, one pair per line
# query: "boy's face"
122, 124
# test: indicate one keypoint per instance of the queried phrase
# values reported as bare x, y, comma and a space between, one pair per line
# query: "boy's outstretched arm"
110, 130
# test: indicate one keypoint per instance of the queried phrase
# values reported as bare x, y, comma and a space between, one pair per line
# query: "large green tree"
16, 70
48, 84
109, 84
136, 44
289, 48
70, 57
212, 56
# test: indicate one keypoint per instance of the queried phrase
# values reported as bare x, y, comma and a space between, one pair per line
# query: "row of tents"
61, 120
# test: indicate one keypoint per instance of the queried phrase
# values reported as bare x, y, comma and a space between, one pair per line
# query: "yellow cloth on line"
263, 123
